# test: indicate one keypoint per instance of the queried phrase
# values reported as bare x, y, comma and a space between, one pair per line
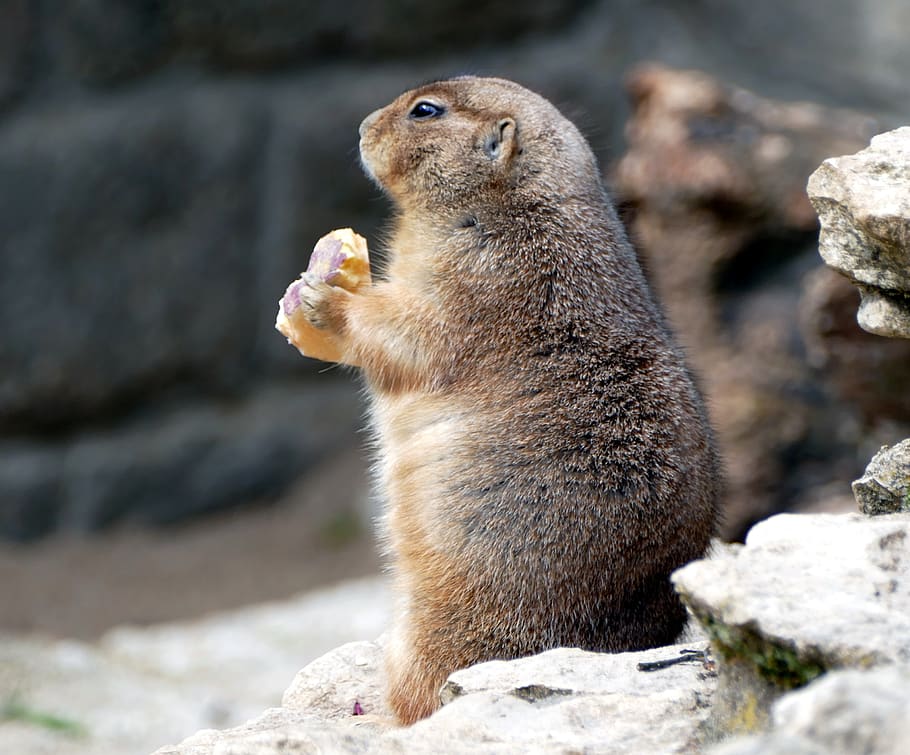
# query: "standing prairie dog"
543, 453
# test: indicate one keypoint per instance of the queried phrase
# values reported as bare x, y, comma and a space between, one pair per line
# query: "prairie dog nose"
369, 121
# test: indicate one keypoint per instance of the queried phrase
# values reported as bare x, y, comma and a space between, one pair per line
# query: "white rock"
117, 710
830, 590
566, 700
140, 688
843, 713
330, 685
863, 202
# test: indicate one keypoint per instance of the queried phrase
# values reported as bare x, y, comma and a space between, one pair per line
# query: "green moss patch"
779, 665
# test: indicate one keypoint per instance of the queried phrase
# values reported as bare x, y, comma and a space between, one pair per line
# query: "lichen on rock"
806, 595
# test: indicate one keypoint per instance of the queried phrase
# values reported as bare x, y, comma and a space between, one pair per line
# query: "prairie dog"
543, 453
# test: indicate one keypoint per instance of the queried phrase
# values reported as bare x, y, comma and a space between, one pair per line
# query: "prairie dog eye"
425, 110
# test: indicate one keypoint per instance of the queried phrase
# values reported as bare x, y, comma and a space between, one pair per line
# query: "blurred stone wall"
165, 166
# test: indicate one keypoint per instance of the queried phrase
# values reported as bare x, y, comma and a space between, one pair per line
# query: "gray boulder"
806, 595
106, 42
843, 713
884, 487
181, 461
17, 32
139, 688
863, 201
565, 700
256, 34
126, 269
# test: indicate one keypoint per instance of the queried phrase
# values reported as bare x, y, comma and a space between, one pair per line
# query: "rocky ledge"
819, 604
863, 202
564, 700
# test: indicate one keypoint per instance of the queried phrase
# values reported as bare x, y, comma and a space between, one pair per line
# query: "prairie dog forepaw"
319, 301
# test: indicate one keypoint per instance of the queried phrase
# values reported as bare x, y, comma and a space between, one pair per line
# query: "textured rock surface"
806, 594
561, 701
851, 606
149, 198
331, 685
140, 688
189, 459
251, 33
17, 19
714, 185
843, 713
863, 201
884, 487
106, 41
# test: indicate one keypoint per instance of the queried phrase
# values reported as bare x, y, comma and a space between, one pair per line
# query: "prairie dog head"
455, 147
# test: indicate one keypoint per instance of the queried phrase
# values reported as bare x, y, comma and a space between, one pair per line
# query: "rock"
884, 487
559, 701
713, 185
863, 201
579, 700
107, 41
98, 706
330, 686
246, 33
286, 732
139, 688
248, 653
807, 594
843, 713
251, 34
186, 459
30, 479
17, 31
113, 218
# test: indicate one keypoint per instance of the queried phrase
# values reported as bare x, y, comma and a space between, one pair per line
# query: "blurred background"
167, 165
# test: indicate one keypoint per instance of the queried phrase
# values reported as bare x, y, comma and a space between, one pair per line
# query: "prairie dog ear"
502, 142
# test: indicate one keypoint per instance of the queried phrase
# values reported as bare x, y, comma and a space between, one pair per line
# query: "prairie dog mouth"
366, 167
365, 126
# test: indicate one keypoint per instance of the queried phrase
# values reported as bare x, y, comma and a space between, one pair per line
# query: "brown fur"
543, 451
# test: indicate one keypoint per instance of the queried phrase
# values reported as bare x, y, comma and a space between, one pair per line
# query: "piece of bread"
340, 258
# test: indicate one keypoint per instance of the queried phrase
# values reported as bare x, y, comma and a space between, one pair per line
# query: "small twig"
685, 656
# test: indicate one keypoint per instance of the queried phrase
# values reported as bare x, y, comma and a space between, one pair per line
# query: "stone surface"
850, 607
112, 221
17, 22
806, 594
884, 487
107, 41
330, 686
843, 713
713, 183
564, 700
863, 201
185, 460
139, 688
251, 33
